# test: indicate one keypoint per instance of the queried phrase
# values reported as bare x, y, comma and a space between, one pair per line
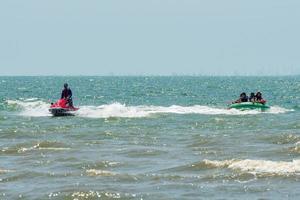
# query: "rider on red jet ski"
67, 94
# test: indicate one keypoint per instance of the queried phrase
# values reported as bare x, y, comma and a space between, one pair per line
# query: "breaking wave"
38, 108
31, 107
95, 172
258, 167
3, 171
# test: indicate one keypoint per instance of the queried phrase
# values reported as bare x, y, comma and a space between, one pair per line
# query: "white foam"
95, 172
121, 110
37, 108
31, 107
31, 99
2, 171
39, 146
259, 167
278, 110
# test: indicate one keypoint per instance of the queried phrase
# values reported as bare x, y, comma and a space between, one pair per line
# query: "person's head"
66, 85
258, 94
243, 94
252, 94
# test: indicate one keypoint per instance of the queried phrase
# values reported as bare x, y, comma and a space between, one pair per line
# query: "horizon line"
148, 75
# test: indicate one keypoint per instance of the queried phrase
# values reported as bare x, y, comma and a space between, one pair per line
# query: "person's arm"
263, 101
237, 101
62, 94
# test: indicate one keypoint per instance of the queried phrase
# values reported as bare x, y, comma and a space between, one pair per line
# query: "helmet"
66, 85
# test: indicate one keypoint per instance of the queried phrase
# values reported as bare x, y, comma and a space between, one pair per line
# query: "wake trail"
37, 108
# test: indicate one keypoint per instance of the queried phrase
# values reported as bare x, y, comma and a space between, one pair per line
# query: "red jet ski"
61, 108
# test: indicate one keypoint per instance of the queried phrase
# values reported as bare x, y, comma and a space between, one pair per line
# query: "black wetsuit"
67, 94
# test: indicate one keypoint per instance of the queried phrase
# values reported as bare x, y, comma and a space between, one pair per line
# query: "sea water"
149, 138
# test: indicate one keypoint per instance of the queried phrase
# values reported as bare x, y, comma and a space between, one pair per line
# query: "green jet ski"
249, 106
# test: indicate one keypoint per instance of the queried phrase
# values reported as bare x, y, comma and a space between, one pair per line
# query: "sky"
150, 37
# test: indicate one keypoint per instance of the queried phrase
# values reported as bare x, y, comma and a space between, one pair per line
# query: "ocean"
149, 138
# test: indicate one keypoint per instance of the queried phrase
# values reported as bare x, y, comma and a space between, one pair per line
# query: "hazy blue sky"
158, 37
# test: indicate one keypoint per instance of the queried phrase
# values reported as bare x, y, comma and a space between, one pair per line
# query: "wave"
43, 145
95, 172
257, 167
95, 195
3, 171
37, 108
295, 148
31, 107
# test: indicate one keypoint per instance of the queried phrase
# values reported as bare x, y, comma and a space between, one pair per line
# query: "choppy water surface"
149, 138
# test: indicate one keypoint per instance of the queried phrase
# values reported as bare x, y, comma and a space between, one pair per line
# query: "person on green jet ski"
252, 97
243, 98
259, 98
